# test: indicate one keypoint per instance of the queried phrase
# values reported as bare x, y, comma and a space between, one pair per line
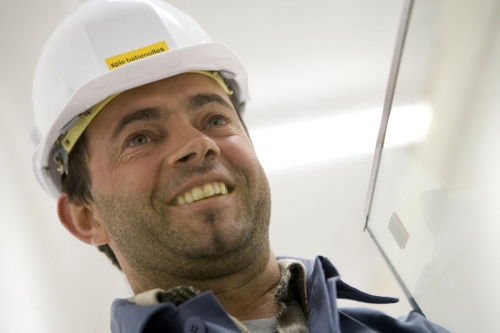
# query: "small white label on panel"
398, 230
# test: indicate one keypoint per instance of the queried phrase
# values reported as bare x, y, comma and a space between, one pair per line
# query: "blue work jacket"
204, 314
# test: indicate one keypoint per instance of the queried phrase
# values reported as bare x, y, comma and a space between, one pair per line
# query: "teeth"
205, 191
216, 187
208, 190
181, 200
189, 198
198, 194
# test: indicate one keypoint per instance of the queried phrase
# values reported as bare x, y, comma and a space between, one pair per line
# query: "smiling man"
140, 137
178, 172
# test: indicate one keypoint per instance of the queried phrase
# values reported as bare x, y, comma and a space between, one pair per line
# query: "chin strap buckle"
61, 158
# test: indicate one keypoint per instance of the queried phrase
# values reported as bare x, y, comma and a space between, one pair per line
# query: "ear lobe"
79, 220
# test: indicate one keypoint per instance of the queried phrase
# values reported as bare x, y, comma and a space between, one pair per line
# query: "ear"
82, 221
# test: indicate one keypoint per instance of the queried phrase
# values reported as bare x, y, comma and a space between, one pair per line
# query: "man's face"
154, 149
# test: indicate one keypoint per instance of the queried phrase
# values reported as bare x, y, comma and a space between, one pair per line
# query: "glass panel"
437, 198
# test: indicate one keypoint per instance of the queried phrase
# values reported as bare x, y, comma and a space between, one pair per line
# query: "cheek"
240, 152
132, 176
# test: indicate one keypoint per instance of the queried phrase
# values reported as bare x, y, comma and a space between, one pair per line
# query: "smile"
198, 193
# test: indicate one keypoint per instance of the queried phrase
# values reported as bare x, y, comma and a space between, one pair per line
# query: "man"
142, 141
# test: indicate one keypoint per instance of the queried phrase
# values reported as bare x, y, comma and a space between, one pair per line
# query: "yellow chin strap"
69, 139
84, 119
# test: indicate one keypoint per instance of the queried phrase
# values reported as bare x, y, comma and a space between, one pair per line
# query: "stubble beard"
142, 230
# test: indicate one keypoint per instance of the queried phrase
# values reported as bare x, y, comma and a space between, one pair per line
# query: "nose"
192, 147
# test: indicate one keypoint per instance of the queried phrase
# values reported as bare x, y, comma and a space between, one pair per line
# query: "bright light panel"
337, 137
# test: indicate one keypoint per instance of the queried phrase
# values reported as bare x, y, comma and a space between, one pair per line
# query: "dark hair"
77, 185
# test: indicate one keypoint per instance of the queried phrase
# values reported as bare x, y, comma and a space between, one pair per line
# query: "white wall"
446, 188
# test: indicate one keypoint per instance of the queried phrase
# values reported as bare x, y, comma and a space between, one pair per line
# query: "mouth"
205, 191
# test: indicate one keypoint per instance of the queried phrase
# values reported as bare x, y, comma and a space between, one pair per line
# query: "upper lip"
200, 180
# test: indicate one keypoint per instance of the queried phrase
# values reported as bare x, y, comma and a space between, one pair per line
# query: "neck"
247, 294
251, 296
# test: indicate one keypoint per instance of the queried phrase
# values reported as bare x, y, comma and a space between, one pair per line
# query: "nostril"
194, 150
185, 158
211, 153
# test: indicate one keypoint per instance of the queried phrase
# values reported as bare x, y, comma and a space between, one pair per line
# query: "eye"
217, 121
139, 139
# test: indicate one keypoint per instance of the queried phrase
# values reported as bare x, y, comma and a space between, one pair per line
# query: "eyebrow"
139, 115
193, 103
200, 100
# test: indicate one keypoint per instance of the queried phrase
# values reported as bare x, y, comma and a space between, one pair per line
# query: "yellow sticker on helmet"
143, 52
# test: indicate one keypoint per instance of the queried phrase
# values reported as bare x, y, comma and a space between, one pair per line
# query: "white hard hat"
106, 47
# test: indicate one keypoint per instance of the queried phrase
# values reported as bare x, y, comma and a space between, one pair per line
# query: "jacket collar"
324, 286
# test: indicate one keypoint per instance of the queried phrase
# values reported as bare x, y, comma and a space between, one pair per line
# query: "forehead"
170, 93
172, 90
